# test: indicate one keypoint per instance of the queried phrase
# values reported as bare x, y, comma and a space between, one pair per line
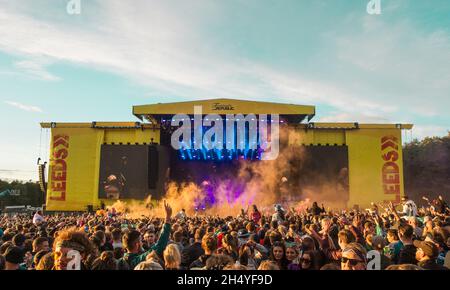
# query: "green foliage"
427, 167
30, 194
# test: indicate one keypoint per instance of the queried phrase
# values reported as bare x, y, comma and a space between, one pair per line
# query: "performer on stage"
115, 183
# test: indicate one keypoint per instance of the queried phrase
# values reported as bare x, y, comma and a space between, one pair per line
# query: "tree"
29, 193
427, 167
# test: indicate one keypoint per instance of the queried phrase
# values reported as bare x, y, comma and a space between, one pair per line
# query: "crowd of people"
402, 236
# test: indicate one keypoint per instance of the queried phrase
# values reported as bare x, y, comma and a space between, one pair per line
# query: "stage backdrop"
74, 166
123, 172
374, 160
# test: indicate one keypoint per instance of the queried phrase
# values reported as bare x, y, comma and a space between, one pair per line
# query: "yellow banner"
375, 166
73, 170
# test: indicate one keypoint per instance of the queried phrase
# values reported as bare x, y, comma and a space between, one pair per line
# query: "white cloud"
422, 131
353, 117
392, 68
36, 69
23, 175
161, 46
23, 107
399, 65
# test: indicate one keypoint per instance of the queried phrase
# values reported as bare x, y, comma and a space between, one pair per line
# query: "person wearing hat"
14, 258
426, 255
243, 236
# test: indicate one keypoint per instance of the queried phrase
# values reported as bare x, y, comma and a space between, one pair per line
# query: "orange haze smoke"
266, 184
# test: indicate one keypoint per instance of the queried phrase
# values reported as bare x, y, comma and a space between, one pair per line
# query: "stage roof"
292, 113
138, 125
223, 107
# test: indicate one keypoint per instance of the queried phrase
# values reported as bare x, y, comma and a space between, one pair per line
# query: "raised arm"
394, 211
164, 237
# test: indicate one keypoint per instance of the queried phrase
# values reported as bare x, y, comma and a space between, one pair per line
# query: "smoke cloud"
287, 180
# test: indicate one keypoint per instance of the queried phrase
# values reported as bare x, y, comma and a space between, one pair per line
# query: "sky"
94, 66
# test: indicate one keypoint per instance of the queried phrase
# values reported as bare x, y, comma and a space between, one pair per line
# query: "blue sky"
393, 67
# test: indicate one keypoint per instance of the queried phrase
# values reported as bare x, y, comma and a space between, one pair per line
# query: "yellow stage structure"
375, 164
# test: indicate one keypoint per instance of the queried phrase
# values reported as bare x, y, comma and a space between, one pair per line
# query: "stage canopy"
291, 112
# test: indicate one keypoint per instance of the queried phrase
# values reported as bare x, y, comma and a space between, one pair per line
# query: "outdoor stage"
350, 164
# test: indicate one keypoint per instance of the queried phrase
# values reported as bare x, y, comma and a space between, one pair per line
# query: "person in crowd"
438, 205
409, 207
193, 251
315, 210
278, 255
229, 246
354, 257
148, 265
408, 251
72, 248
255, 214
172, 257
279, 214
178, 237
116, 235
209, 246
447, 254
298, 239
38, 256
218, 262
106, 262
40, 244
426, 255
392, 250
442, 206
404, 267
2, 263
292, 255
14, 258
414, 222
378, 244
19, 241
345, 237
181, 215
38, 218
46, 263
268, 266
132, 242
247, 256
149, 239
307, 261
330, 267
